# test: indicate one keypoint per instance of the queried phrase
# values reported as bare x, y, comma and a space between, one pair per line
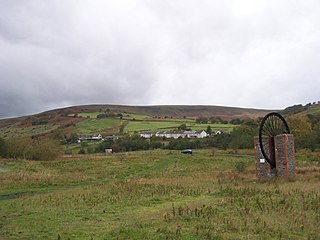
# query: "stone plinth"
284, 158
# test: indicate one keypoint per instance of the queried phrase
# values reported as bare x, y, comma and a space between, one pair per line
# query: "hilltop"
177, 111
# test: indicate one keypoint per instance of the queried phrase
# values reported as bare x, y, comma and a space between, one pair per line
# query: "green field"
125, 115
96, 126
214, 126
138, 126
139, 122
135, 117
157, 195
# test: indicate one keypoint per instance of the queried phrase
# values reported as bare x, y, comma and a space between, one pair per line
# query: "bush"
33, 149
240, 166
39, 122
82, 151
115, 148
3, 148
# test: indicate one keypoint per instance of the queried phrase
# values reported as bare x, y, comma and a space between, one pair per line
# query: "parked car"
186, 151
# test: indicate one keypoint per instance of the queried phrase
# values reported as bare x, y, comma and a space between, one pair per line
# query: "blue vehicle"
186, 151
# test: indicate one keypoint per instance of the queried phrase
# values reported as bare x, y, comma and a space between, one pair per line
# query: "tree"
236, 121
3, 148
209, 130
33, 149
203, 120
82, 151
305, 135
182, 127
115, 147
242, 136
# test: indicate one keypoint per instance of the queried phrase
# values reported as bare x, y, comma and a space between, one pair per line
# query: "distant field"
126, 116
157, 195
96, 126
313, 109
135, 116
214, 126
138, 122
137, 126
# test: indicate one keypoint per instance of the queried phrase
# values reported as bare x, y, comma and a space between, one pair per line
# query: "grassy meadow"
157, 195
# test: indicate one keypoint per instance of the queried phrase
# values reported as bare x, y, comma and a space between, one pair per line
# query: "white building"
196, 134
146, 134
176, 134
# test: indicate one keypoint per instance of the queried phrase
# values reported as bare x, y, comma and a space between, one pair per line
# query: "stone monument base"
284, 158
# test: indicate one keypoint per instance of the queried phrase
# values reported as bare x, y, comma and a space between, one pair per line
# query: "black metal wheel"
272, 124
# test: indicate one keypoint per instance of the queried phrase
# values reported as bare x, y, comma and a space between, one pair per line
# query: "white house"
108, 150
99, 137
89, 138
146, 134
196, 134
218, 132
177, 134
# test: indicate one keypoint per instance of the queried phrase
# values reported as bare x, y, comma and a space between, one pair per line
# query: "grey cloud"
260, 54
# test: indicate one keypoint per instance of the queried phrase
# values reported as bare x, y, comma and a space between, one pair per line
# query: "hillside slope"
177, 111
83, 119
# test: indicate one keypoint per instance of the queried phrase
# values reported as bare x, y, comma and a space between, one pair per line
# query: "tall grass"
155, 195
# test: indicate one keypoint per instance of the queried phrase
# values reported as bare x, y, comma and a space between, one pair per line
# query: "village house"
146, 134
111, 138
98, 137
196, 134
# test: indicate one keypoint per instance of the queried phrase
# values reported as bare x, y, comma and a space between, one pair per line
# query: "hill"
114, 119
177, 111
86, 119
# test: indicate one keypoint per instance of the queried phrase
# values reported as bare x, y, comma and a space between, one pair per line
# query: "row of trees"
205, 120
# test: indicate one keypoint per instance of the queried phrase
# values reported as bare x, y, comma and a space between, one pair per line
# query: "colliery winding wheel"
272, 124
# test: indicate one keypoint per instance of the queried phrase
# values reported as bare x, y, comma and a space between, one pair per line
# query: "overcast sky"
244, 53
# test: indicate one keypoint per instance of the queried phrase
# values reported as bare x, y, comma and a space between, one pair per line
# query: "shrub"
3, 148
82, 151
115, 147
33, 149
240, 166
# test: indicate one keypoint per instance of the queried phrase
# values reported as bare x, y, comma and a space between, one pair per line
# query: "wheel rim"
272, 124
